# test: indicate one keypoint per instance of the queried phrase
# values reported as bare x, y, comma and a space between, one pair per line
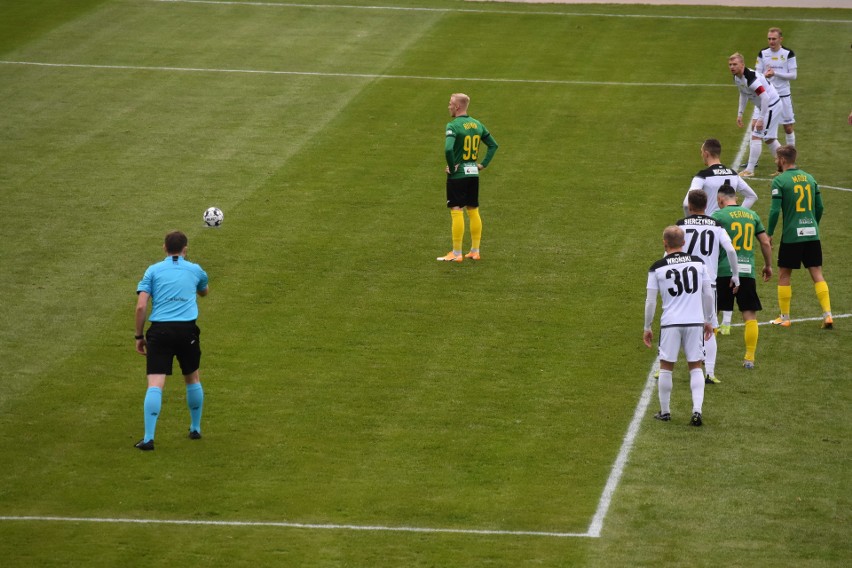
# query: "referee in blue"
173, 286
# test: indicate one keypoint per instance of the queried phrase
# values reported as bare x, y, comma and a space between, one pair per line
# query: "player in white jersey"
705, 237
778, 64
714, 175
755, 88
684, 285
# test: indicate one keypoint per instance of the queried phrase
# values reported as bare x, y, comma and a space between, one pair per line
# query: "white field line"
596, 525
833, 187
369, 528
839, 316
741, 154
737, 160
744, 146
501, 11
821, 186
355, 75
617, 470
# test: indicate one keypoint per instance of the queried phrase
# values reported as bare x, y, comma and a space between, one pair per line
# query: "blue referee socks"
195, 402
152, 406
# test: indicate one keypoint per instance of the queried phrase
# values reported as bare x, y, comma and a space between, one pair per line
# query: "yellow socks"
821, 289
785, 295
751, 332
475, 228
458, 229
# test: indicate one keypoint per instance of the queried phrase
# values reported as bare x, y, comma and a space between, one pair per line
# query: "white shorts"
691, 339
770, 129
787, 116
777, 117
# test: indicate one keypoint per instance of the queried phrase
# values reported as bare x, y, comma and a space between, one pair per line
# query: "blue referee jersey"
172, 285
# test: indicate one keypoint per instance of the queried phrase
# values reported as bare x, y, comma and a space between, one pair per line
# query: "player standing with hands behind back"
461, 149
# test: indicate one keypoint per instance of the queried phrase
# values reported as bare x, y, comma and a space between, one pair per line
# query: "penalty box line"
376, 76
276, 524
595, 527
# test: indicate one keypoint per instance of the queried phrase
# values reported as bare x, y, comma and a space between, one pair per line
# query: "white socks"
664, 388
696, 383
710, 350
774, 148
754, 148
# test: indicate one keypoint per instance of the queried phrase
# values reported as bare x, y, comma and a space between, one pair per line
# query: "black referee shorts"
747, 300
167, 340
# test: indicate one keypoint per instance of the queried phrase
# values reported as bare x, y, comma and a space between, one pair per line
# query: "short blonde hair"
738, 56
777, 30
461, 98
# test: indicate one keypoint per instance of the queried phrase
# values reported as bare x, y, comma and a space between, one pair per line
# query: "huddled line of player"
694, 279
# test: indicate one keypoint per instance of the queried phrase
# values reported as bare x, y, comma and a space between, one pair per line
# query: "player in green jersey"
795, 195
464, 136
744, 227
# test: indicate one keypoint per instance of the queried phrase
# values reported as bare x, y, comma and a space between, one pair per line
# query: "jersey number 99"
471, 147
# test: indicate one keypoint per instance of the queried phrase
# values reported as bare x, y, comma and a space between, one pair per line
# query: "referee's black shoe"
194, 435
145, 446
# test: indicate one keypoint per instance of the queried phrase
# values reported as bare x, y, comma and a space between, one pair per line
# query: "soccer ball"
213, 217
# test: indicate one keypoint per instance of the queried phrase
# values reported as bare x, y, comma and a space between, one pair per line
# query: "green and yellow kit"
795, 195
462, 144
742, 225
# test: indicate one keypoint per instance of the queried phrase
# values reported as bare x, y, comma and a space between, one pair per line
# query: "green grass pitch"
349, 378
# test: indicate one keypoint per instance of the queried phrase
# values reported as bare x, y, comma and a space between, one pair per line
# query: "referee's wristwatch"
139, 337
